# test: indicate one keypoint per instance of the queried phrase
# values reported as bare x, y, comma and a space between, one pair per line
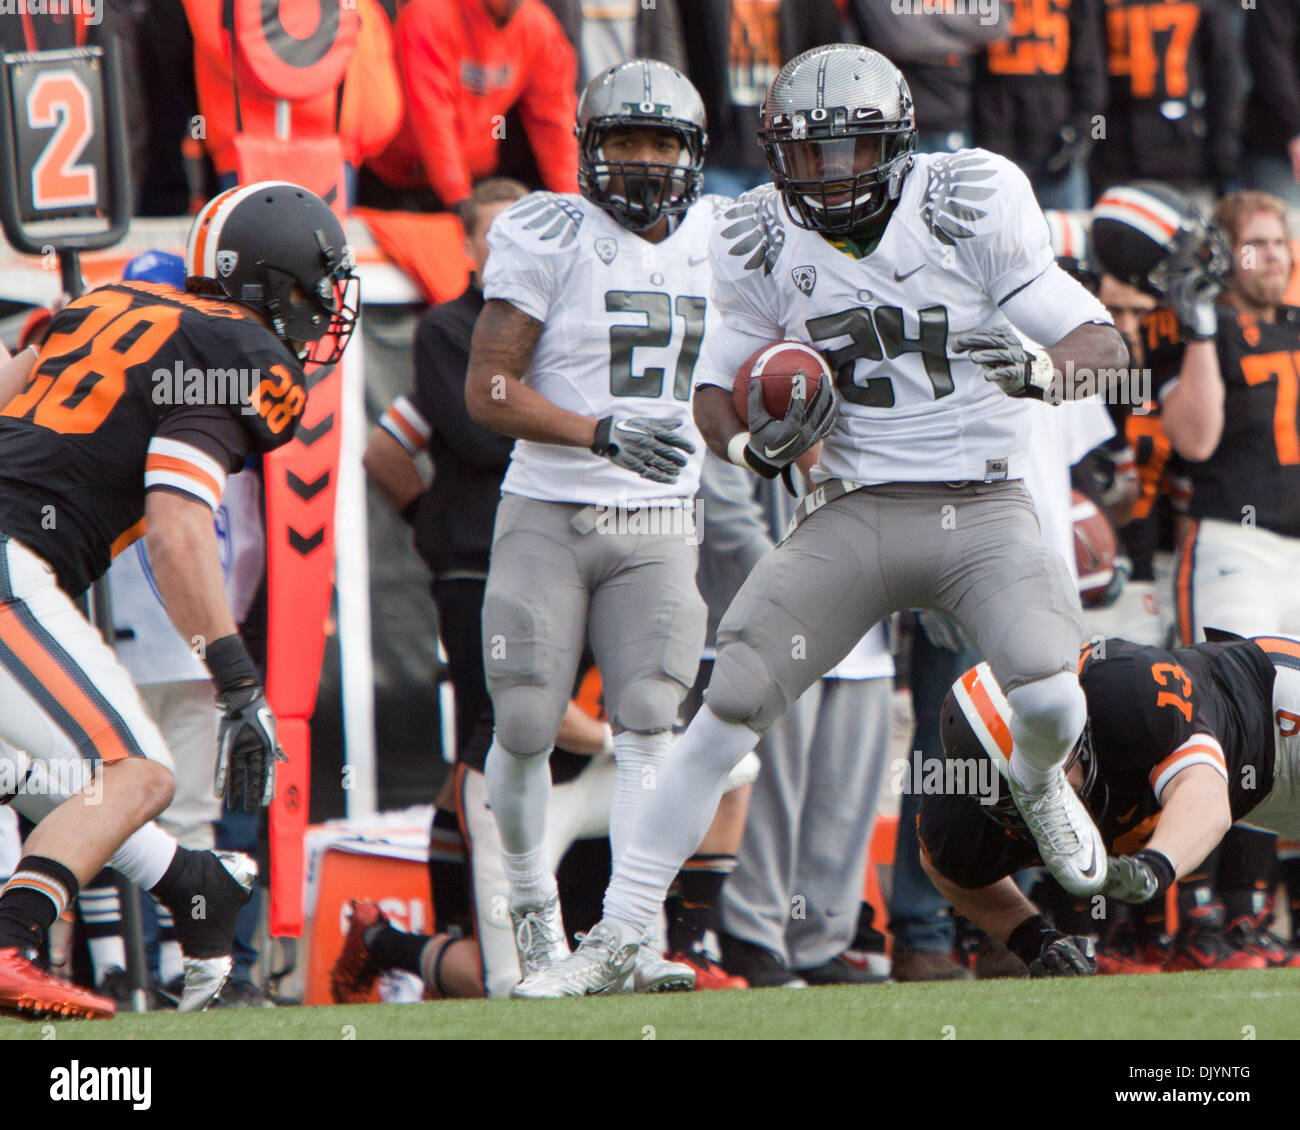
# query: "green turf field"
1221, 1006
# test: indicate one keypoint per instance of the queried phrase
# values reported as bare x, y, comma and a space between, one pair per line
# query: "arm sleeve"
193, 451
547, 105
1052, 305
430, 77
529, 247
743, 249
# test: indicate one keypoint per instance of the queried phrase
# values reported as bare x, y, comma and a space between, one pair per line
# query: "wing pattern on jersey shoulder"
550, 215
754, 229
951, 194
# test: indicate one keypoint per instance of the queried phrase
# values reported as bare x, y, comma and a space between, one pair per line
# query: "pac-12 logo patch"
606, 248
805, 278
226, 261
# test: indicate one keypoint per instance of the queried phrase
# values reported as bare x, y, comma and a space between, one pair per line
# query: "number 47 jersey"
967, 248
623, 324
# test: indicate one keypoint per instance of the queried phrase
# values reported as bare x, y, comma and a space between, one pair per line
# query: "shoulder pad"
752, 228
547, 216
958, 182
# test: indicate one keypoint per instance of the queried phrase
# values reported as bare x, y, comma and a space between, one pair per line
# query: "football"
1094, 549
780, 367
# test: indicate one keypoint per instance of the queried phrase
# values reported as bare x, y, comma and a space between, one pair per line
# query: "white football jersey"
966, 237
623, 323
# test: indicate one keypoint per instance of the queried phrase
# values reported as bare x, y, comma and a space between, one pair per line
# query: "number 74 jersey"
623, 324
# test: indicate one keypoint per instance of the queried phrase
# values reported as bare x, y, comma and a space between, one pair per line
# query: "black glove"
775, 444
1065, 957
1009, 365
247, 749
643, 445
1191, 294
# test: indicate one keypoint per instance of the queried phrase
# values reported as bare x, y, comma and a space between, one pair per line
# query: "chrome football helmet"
839, 131
642, 93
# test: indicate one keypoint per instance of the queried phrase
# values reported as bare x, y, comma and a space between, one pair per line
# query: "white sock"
171, 961
144, 856
101, 910
530, 879
638, 757
1026, 773
674, 817
1047, 718
518, 789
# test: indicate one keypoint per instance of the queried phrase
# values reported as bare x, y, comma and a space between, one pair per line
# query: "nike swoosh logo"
898, 277
1127, 818
1091, 870
770, 453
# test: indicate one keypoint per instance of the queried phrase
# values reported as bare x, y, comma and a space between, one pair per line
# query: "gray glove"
1191, 293
1066, 957
1009, 365
1134, 878
643, 445
775, 444
247, 750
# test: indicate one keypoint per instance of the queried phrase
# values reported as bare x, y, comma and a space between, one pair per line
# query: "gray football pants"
973, 551
563, 573
797, 887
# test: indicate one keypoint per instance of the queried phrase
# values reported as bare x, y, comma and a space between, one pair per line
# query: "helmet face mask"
278, 249
640, 95
838, 133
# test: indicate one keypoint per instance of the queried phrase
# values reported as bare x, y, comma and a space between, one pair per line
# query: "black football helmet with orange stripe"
277, 248
1144, 233
968, 734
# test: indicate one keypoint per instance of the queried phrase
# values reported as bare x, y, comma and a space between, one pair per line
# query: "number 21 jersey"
623, 324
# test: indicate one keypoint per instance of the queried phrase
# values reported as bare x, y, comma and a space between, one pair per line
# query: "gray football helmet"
647, 93
839, 132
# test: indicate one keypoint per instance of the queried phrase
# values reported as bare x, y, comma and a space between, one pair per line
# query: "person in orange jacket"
464, 64
372, 94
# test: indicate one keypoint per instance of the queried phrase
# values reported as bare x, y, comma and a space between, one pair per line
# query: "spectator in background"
464, 65
1272, 138
365, 121
608, 32
1177, 86
1037, 94
936, 53
734, 49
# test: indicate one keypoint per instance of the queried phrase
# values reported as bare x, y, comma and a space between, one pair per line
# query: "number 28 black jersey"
1151, 713
138, 387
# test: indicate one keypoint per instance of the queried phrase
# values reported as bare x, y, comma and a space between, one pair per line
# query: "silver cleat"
539, 935
1068, 841
598, 965
654, 973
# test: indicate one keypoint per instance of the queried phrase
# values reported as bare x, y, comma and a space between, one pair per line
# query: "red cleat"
1206, 947
26, 989
1112, 962
1250, 935
708, 973
354, 974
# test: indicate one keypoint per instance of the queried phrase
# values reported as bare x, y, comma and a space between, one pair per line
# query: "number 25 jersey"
623, 323
138, 387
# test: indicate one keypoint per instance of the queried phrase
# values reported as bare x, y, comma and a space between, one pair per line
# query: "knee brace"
1048, 716
742, 690
650, 704
526, 720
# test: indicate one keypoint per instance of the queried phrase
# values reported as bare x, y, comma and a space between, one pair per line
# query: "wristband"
229, 664
736, 449
1028, 939
408, 511
1160, 865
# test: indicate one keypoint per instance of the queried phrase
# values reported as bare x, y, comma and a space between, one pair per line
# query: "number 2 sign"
63, 180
